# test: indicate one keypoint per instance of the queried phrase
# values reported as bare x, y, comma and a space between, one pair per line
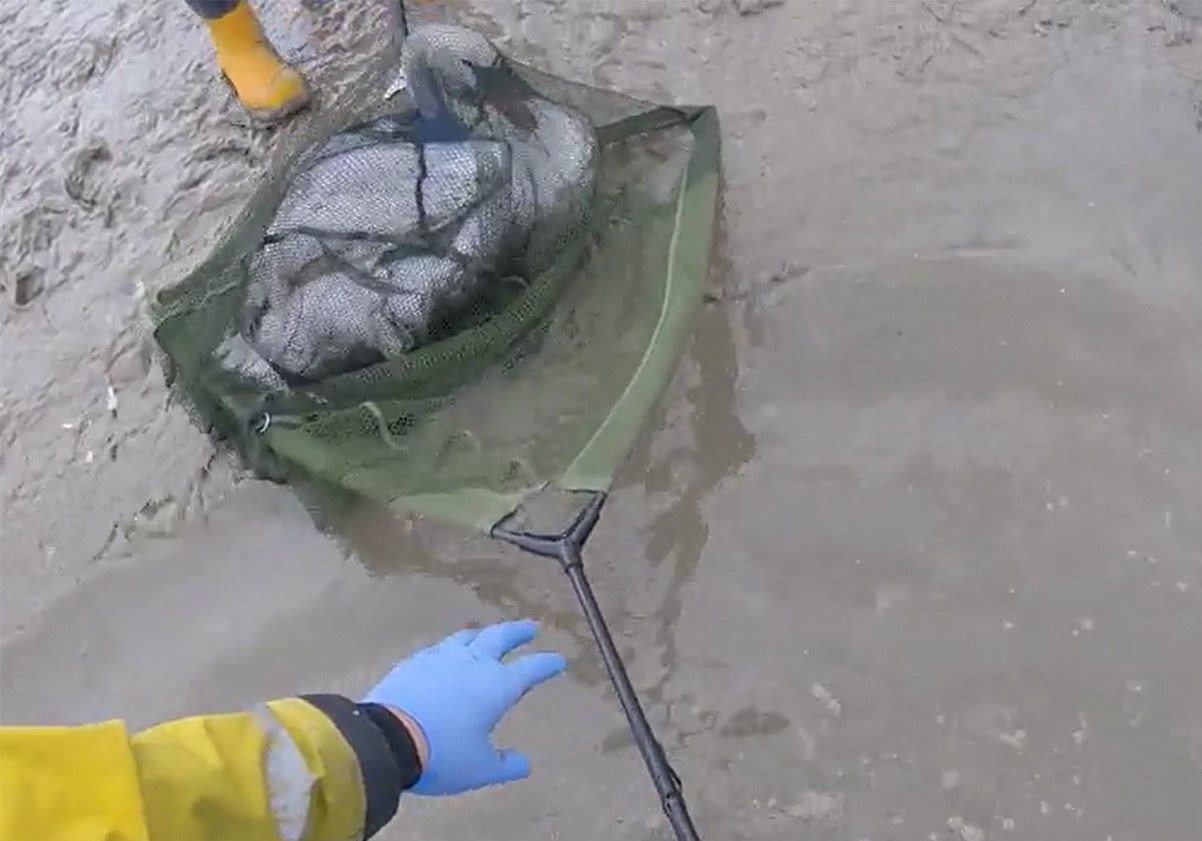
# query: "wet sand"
912, 550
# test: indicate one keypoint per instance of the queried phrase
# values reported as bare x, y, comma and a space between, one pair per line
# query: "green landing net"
452, 324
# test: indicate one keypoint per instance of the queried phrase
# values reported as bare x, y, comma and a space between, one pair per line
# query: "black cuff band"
400, 740
378, 764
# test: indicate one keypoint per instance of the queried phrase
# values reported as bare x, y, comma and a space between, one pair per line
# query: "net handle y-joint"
568, 549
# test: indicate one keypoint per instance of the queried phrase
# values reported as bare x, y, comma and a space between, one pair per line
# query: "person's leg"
212, 8
267, 87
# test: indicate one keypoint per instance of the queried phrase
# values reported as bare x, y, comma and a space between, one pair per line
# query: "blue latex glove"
456, 692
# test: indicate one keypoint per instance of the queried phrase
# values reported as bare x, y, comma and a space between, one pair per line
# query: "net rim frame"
592, 469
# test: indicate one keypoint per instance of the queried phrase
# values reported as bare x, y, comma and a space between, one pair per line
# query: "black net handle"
567, 548
666, 781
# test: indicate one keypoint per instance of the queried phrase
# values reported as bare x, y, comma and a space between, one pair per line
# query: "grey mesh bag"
397, 227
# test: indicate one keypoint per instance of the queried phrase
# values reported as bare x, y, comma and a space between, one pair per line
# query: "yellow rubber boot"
267, 87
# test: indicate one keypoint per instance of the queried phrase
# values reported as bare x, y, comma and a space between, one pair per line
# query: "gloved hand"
456, 692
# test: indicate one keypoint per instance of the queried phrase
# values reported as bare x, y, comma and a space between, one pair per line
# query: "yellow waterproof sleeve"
284, 772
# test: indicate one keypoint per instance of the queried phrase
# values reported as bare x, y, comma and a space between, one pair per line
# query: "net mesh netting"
450, 298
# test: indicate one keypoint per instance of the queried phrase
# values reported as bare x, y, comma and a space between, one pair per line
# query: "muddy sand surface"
913, 549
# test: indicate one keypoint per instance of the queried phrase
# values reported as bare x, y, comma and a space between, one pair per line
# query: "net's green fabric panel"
678, 277
549, 389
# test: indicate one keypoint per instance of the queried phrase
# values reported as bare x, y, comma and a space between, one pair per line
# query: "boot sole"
264, 117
